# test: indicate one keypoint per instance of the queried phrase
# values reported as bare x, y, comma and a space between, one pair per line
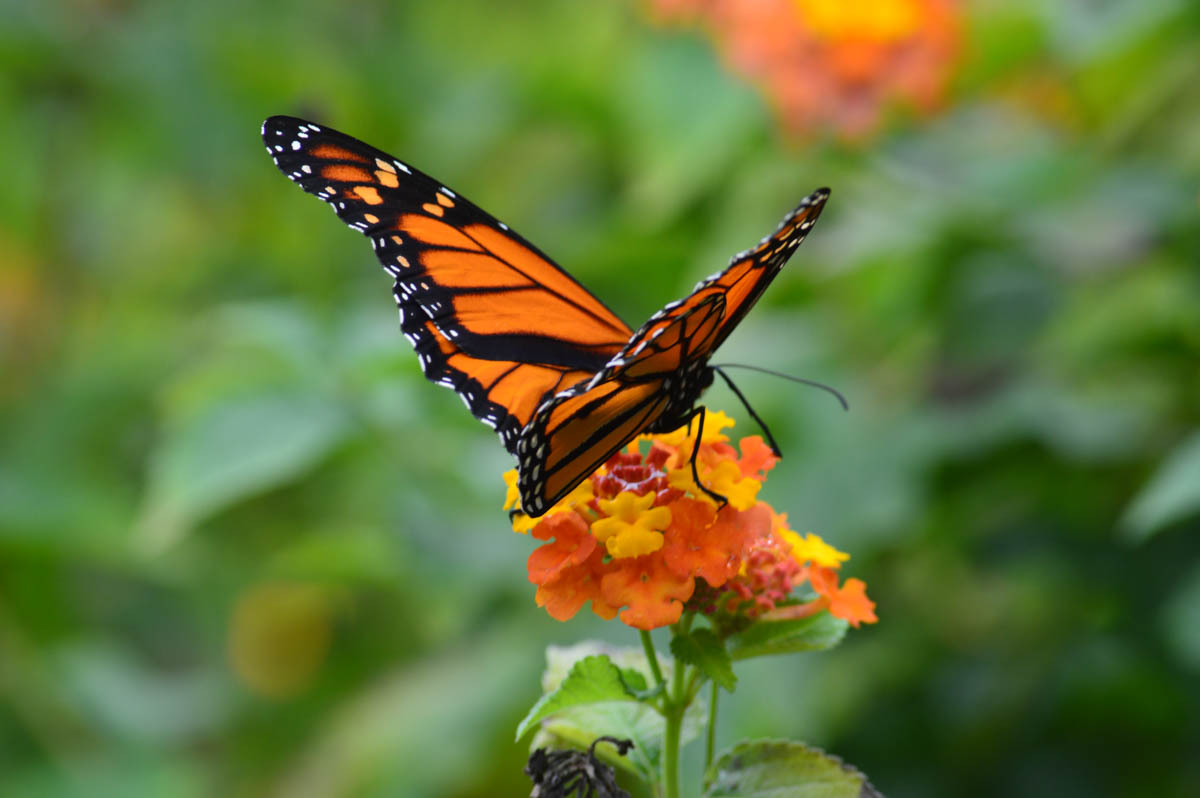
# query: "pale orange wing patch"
432, 231
346, 174
525, 310
331, 152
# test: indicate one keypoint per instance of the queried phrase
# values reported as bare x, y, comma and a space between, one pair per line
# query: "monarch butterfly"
531, 352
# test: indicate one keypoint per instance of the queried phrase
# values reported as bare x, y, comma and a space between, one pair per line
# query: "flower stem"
674, 718
712, 728
652, 658
675, 705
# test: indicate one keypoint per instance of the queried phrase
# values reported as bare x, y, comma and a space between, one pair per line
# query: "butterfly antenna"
761, 424
812, 383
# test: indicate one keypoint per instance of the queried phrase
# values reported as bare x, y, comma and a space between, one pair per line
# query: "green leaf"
579, 726
706, 651
232, 451
784, 769
607, 705
631, 660
635, 683
592, 680
814, 633
1172, 494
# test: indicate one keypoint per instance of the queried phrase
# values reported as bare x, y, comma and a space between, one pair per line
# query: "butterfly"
531, 352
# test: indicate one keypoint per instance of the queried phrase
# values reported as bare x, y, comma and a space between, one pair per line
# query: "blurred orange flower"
840, 63
639, 536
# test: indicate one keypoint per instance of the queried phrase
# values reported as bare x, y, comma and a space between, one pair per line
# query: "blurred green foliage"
246, 550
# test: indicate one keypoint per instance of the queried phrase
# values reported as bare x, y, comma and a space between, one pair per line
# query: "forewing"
750, 272
491, 316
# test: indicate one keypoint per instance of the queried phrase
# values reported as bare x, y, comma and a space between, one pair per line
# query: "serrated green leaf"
784, 769
814, 633
705, 650
592, 680
1172, 494
560, 660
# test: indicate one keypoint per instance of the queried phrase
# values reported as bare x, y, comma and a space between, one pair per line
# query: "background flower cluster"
840, 65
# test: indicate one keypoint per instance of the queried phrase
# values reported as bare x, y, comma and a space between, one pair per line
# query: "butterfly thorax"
684, 389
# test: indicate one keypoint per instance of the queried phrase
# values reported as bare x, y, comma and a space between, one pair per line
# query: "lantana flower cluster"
640, 539
841, 63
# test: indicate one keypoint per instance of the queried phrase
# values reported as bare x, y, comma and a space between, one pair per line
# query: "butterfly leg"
700, 411
761, 424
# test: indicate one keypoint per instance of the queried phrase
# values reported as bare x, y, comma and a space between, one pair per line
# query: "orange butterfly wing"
658, 377
654, 382
489, 314
530, 351
750, 272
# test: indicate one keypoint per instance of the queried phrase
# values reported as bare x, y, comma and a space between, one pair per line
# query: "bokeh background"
246, 550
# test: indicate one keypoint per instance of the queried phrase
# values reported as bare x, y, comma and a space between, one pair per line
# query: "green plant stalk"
652, 658
675, 705
711, 738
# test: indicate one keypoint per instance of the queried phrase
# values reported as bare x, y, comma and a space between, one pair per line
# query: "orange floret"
652, 594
